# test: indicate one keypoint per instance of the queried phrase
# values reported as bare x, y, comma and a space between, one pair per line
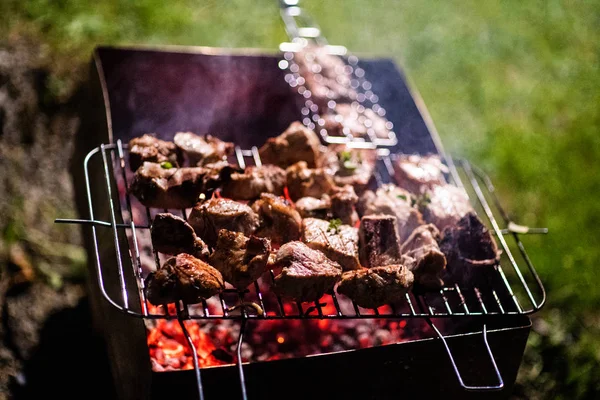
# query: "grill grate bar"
107, 175
382, 175
137, 266
488, 211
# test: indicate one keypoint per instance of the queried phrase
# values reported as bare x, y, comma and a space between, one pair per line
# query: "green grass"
512, 85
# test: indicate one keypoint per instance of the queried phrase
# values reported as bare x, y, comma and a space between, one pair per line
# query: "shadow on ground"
70, 361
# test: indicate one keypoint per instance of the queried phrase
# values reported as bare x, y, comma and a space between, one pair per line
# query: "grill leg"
181, 318
239, 358
498, 386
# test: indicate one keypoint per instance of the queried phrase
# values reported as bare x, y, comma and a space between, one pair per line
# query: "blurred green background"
512, 85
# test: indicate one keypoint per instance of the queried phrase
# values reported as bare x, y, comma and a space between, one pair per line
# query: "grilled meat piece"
308, 182
311, 207
378, 241
278, 220
254, 181
417, 173
156, 186
392, 200
470, 250
350, 166
429, 262
346, 118
202, 150
209, 217
306, 275
444, 205
148, 148
185, 278
338, 243
172, 235
374, 287
325, 75
297, 143
343, 205
240, 259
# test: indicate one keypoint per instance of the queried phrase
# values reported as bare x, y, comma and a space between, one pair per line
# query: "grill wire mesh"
510, 292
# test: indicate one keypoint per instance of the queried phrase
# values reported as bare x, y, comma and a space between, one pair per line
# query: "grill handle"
500, 383
298, 24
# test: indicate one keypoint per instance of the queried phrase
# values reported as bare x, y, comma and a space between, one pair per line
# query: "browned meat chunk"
306, 275
311, 207
374, 287
337, 241
325, 75
209, 217
202, 150
308, 182
172, 235
185, 278
158, 186
240, 259
346, 118
419, 173
278, 220
378, 241
470, 250
444, 205
254, 181
392, 200
147, 148
343, 205
297, 143
350, 166
429, 261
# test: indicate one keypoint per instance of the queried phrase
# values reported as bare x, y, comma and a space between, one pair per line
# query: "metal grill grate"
502, 295
508, 292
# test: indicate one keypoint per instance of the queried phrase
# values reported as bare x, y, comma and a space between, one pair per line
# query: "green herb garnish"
401, 196
424, 200
345, 156
166, 165
334, 225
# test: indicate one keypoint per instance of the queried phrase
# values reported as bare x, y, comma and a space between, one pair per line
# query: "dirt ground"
47, 343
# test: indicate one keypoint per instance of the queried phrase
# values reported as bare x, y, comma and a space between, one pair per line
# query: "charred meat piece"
278, 219
306, 275
308, 182
297, 143
444, 205
240, 259
147, 148
346, 118
392, 200
202, 150
158, 186
209, 217
172, 235
343, 205
312, 207
254, 181
326, 76
337, 241
417, 173
429, 261
470, 249
350, 166
378, 241
374, 287
185, 278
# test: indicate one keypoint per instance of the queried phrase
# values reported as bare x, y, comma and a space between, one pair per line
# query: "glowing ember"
267, 340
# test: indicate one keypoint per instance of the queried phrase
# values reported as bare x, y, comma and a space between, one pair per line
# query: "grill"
112, 221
